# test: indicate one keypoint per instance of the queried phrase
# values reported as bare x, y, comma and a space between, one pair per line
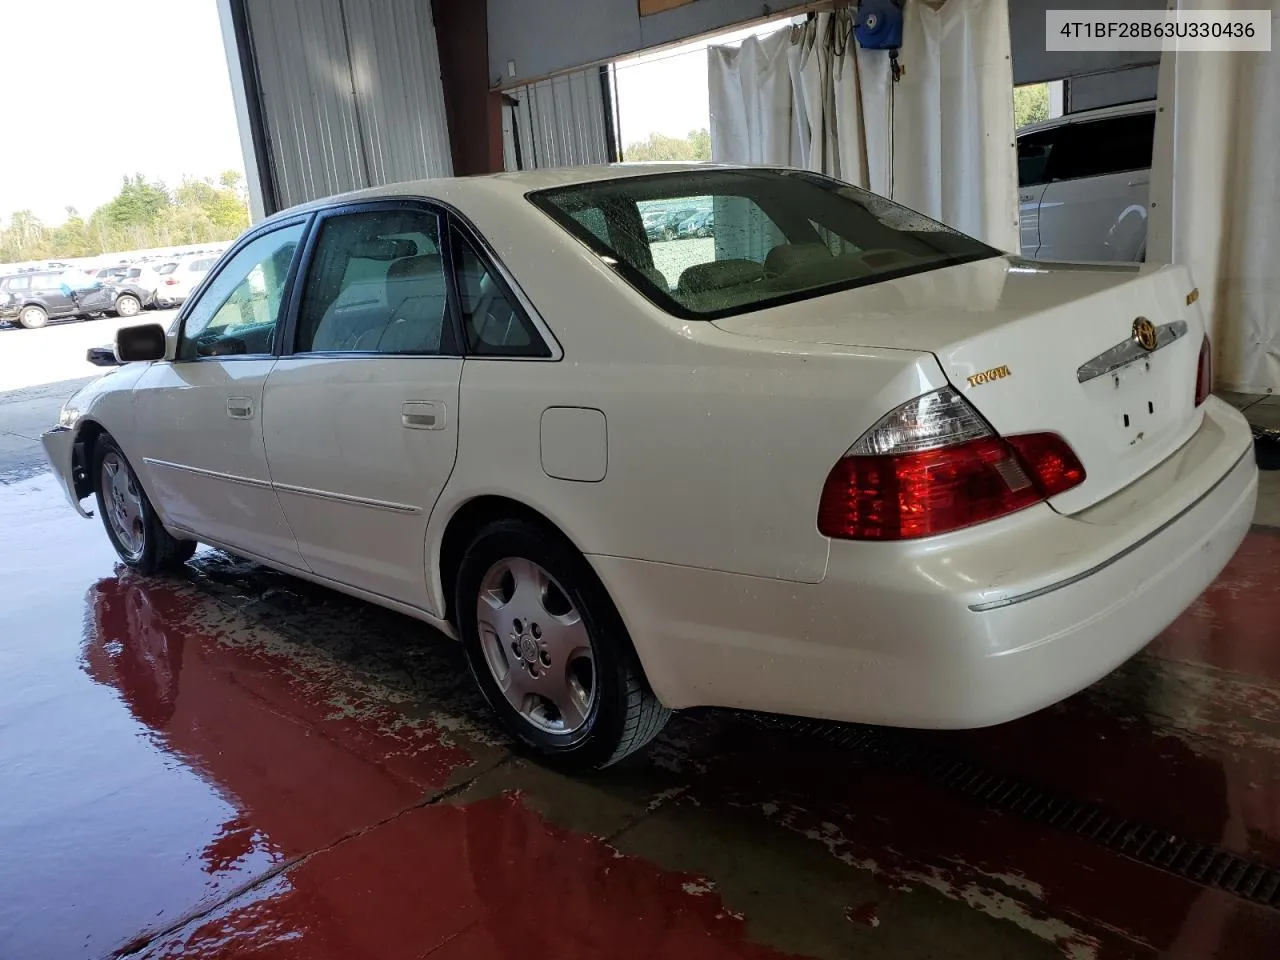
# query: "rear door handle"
423, 415
1140, 182
240, 408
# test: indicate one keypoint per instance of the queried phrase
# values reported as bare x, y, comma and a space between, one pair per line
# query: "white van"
1082, 184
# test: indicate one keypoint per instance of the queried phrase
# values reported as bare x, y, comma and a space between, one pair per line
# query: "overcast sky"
666, 92
143, 88
109, 88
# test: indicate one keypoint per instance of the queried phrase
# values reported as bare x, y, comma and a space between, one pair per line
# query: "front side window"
704, 244
237, 313
377, 284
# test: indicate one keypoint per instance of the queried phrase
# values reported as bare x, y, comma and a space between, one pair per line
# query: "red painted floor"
232, 764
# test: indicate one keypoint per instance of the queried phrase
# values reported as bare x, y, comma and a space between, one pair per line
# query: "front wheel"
132, 526
33, 317
549, 650
127, 305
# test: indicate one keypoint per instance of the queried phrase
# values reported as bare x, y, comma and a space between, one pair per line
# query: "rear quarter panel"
718, 445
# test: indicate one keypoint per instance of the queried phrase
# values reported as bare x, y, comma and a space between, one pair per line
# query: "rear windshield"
712, 243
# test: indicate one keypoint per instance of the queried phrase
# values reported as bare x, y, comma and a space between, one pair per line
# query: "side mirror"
102, 357
143, 342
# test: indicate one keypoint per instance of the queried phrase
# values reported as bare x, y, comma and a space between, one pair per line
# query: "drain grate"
1201, 863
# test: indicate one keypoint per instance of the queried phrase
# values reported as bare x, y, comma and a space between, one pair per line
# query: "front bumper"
60, 450
966, 630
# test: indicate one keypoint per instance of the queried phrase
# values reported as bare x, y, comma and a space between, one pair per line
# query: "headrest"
718, 274
382, 248
423, 265
788, 256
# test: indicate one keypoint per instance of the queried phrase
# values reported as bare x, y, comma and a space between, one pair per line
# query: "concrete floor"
235, 763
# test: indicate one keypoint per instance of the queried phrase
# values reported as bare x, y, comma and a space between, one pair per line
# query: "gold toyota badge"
1144, 334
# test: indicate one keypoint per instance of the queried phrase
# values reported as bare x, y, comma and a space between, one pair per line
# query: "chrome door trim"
387, 505
213, 474
1127, 351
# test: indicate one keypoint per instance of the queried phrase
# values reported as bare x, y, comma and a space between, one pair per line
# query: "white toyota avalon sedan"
834, 460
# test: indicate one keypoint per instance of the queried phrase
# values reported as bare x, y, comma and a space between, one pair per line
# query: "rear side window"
704, 244
377, 284
1099, 147
494, 323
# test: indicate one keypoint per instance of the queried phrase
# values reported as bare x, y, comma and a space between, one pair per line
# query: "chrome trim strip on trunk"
212, 474
1127, 351
1040, 592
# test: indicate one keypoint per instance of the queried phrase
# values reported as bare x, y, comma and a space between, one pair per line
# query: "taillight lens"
1204, 372
932, 466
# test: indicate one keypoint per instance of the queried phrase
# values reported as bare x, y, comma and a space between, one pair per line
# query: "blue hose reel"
878, 25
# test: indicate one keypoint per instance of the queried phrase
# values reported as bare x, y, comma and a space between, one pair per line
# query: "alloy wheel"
536, 645
123, 504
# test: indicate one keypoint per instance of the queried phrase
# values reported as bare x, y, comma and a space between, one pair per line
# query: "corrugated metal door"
565, 121
350, 95
395, 68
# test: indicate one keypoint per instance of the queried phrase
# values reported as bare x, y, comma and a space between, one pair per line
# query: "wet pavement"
236, 763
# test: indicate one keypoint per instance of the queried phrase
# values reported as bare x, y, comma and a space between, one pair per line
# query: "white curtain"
939, 140
1215, 196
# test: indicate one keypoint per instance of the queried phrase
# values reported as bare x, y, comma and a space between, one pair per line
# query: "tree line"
696, 146
144, 214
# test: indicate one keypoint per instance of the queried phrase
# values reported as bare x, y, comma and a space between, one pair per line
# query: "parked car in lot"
1083, 181
32, 300
794, 480
701, 224
664, 224
113, 272
144, 281
176, 284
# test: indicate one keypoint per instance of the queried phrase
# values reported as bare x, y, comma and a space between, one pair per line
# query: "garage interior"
238, 763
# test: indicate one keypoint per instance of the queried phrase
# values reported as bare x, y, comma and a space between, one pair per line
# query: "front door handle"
1140, 182
240, 408
422, 415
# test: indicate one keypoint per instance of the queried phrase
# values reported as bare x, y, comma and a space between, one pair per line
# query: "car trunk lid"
1035, 347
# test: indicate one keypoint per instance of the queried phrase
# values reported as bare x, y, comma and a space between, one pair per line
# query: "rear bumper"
966, 630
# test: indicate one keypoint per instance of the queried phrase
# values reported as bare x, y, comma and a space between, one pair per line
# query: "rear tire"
139, 538
551, 634
127, 305
33, 317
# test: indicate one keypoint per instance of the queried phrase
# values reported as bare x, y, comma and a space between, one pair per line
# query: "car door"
361, 411
1033, 156
1095, 204
53, 293
199, 416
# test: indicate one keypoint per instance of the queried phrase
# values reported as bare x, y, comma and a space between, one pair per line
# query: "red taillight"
171, 282
919, 494
1052, 464
1204, 372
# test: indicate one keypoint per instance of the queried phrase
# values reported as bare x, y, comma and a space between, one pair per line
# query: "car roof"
451, 189
1100, 113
